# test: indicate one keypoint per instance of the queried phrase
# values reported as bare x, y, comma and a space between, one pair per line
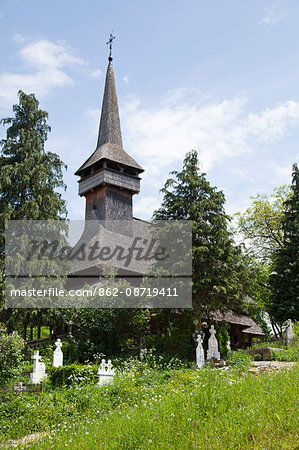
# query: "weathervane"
110, 42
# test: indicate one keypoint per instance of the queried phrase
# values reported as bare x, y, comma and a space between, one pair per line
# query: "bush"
72, 374
290, 354
238, 359
11, 346
222, 337
147, 360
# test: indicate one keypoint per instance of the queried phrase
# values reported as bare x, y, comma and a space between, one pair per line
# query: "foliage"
296, 328
214, 408
284, 280
238, 359
219, 278
29, 174
222, 337
30, 177
261, 229
107, 331
148, 360
289, 354
73, 373
11, 346
261, 343
260, 224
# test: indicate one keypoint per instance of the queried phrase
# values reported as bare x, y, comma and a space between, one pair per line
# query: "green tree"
11, 346
219, 276
260, 224
260, 227
284, 279
29, 178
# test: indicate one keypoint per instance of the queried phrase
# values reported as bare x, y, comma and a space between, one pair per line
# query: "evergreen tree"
219, 278
29, 176
285, 277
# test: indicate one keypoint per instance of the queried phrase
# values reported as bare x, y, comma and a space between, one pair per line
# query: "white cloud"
243, 174
96, 73
126, 79
45, 63
274, 14
218, 130
224, 132
18, 38
281, 173
144, 206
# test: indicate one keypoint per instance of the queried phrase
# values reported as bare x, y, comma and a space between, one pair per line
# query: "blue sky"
220, 77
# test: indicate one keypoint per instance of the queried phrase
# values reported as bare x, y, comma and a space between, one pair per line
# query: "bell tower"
109, 177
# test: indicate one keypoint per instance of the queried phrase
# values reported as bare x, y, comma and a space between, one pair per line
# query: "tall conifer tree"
219, 277
29, 175
284, 281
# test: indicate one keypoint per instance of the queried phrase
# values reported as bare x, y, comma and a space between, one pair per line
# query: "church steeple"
109, 130
109, 177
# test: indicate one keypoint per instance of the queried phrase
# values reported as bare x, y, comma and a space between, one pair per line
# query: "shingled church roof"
109, 145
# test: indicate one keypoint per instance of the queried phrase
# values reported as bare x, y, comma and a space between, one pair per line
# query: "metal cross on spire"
110, 42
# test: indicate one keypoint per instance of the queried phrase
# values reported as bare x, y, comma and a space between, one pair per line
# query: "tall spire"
109, 145
109, 131
109, 177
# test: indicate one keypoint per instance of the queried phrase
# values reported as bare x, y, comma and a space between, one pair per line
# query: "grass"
180, 409
280, 343
285, 354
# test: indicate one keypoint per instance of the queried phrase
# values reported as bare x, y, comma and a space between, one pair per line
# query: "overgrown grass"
279, 343
179, 409
290, 354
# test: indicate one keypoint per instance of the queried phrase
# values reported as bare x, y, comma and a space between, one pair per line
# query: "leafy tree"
261, 229
260, 224
11, 346
219, 277
285, 277
108, 331
29, 177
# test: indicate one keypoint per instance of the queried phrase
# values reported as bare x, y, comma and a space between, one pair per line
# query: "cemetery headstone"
200, 356
213, 352
105, 372
228, 345
58, 355
39, 368
289, 337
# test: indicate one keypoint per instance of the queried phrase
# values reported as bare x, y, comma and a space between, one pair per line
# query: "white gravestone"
228, 345
39, 368
105, 373
200, 356
213, 352
289, 333
58, 355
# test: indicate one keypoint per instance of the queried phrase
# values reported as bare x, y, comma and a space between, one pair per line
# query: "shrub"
290, 354
222, 337
72, 374
46, 351
148, 360
11, 346
238, 359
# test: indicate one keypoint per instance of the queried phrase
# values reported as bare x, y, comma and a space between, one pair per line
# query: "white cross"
58, 344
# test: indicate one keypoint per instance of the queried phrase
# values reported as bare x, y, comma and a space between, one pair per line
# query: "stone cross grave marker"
213, 352
39, 368
289, 333
200, 355
58, 355
105, 372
